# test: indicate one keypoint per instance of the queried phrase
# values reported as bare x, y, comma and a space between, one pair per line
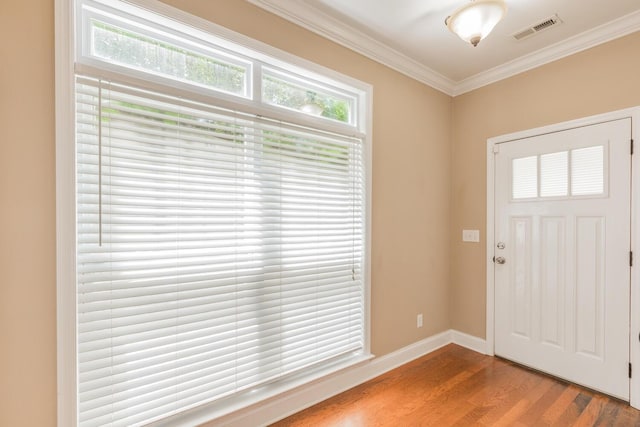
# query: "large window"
220, 218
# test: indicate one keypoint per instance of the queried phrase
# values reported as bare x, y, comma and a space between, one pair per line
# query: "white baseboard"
289, 403
469, 341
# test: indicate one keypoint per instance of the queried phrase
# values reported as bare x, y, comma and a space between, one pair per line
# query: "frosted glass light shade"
474, 21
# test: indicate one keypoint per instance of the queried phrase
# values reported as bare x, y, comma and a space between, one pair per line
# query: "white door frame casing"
492, 144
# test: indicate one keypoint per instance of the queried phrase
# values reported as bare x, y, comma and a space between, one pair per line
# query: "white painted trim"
469, 341
634, 341
558, 127
65, 214
586, 40
634, 114
368, 159
490, 238
319, 22
311, 18
303, 397
219, 410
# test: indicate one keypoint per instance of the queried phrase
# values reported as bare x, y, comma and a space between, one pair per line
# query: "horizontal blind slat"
216, 252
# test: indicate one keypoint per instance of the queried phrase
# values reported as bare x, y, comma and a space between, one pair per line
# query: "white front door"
562, 274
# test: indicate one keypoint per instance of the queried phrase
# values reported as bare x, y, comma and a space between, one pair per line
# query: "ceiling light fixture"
474, 21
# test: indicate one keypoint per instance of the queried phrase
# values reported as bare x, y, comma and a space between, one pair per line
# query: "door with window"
562, 256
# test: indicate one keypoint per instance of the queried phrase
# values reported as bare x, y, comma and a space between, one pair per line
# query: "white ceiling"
410, 35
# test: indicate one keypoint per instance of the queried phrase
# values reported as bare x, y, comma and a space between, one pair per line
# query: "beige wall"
411, 169
27, 215
599, 80
411, 138
428, 182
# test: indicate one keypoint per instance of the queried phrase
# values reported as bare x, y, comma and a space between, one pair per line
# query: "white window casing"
220, 245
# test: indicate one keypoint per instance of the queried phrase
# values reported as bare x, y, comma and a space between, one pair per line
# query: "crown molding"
604, 33
319, 22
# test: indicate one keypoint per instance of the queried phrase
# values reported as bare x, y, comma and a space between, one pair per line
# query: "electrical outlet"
419, 320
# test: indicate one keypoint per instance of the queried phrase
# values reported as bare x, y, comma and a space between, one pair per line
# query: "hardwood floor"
454, 386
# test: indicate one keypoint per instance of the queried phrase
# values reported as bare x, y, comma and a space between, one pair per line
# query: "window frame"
195, 31
294, 80
155, 30
66, 67
539, 197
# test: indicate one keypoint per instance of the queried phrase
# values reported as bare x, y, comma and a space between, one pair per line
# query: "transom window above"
579, 172
126, 40
151, 54
281, 90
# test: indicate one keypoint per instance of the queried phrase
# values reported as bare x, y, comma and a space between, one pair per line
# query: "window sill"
216, 411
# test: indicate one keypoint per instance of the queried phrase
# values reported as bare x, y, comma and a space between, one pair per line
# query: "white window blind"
587, 171
554, 174
524, 177
216, 252
585, 166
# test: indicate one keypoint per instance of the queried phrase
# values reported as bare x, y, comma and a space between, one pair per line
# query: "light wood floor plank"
454, 386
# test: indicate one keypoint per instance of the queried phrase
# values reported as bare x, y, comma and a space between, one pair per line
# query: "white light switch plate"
470, 235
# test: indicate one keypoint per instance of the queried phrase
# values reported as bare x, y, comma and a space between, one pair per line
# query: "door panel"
521, 279
563, 217
552, 285
590, 268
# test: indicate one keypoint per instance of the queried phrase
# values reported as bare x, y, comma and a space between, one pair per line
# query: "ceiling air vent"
536, 28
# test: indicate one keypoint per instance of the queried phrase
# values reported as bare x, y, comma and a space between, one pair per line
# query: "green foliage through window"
285, 94
132, 49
